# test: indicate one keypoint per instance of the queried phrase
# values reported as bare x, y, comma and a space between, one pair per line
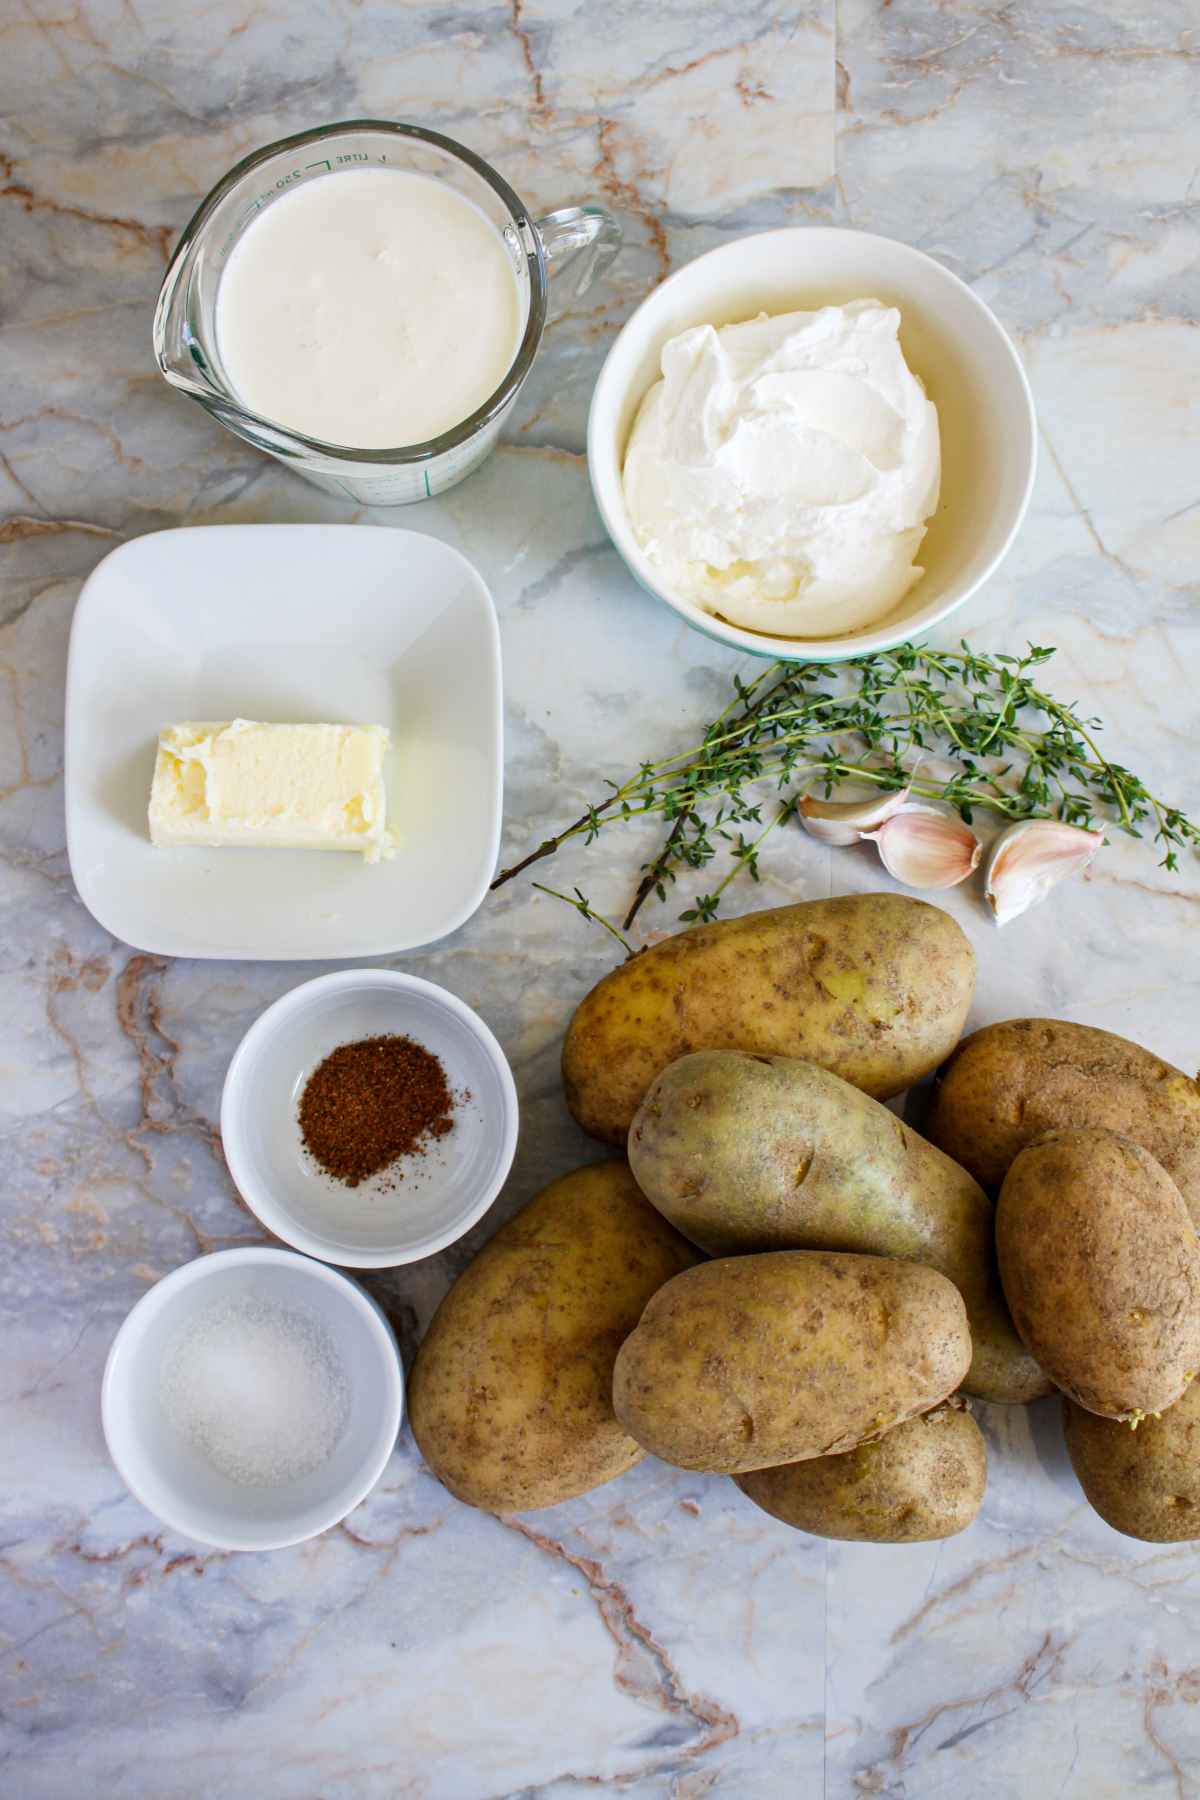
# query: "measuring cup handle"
580, 242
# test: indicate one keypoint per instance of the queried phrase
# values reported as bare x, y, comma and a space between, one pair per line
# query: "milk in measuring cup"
372, 308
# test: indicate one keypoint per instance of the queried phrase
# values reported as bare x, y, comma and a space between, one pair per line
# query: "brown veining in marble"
643, 1667
1034, 1671
626, 192
20, 525
156, 238
986, 1570
81, 420
390, 1544
11, 677
750, 93
139, 1015
541, 111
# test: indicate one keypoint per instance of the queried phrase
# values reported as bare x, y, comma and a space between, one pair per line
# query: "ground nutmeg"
370, 1103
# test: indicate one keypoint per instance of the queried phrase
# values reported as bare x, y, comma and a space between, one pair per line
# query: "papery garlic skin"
927, 845
1031, 857
842, 822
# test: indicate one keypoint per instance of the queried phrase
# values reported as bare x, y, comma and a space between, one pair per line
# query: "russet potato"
510, 1396
1145, 1483
924, 1480
1010, 1083
874, 987
1101, 1269
755, 1360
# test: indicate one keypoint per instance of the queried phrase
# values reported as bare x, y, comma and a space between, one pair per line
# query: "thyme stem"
654, 871
584, 908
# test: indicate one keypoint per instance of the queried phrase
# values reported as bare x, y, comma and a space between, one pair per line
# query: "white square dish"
298, 623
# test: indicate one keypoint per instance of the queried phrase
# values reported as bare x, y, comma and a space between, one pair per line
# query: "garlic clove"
927, 845
1031, 857
844, 821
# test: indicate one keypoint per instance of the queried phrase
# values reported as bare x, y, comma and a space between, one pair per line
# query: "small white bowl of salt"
252, 1398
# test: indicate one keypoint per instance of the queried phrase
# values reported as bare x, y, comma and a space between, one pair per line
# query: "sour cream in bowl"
812, 443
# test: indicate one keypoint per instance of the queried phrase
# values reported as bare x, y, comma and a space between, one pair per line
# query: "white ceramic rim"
271, 1213
160, 1297
834, 649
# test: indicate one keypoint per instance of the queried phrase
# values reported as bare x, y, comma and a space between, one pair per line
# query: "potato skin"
873, 986
746, 1152
1010, 1083
755, 1360
510, 1396
1145, 1483
1101, 1269
924, 1480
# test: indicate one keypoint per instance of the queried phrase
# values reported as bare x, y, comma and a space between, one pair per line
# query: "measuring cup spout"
177, 352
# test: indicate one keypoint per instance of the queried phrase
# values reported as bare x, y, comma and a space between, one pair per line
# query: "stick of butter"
276, 787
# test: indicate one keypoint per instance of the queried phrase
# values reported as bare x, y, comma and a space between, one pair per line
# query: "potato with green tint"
746, 1152
874, 987
1101, 1269
756, 1360
1145, 1483
1010, 1083
924, 1480
510, 1397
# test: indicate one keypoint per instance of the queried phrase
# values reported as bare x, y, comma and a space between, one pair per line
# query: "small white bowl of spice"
369, 1118
252, 1398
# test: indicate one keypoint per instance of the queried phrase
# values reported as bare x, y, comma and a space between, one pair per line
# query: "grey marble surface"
659, 1637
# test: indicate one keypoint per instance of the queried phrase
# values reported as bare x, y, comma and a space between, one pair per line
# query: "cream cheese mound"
281, 787
781, 472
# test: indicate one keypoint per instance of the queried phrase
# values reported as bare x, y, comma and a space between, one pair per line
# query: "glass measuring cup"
571, 244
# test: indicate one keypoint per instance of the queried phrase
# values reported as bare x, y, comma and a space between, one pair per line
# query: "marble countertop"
659, 1637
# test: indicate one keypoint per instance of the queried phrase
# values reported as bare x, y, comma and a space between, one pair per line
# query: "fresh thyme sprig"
1011, 748
584, 908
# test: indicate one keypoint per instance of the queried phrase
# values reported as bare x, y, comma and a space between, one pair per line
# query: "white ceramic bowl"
951, 340
179, 1486
375, 1225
